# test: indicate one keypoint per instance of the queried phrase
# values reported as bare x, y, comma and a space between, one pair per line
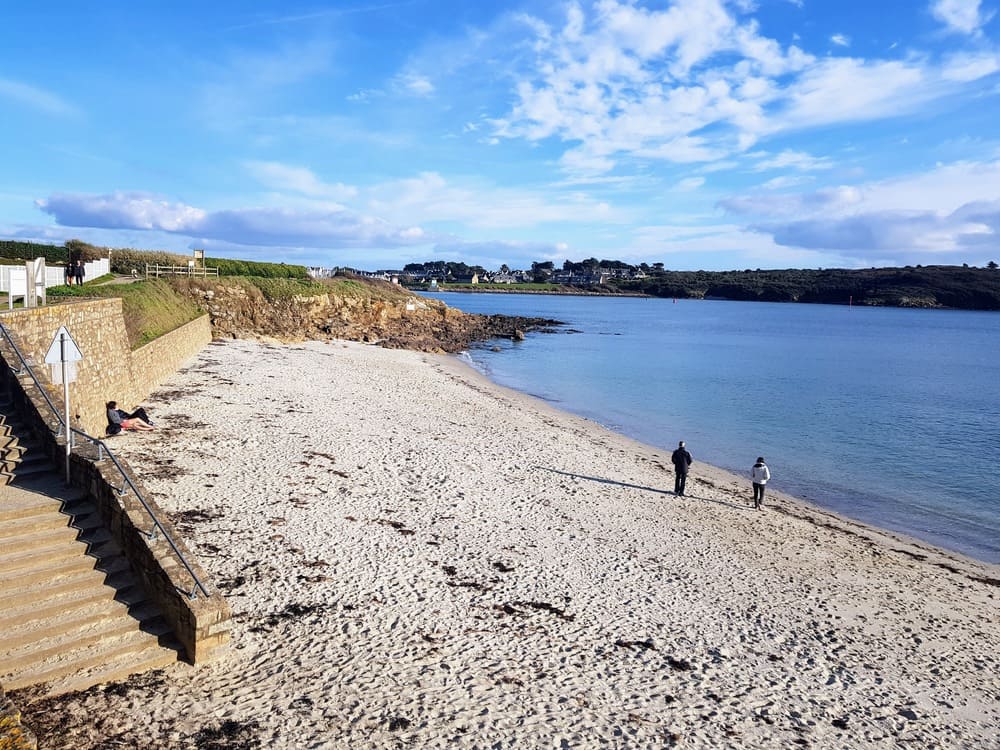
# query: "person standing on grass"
759, 475
681, 460
78, 272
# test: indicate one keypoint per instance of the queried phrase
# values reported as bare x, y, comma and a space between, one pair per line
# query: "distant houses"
440, 273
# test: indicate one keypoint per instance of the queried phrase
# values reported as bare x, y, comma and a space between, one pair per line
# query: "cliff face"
383, 314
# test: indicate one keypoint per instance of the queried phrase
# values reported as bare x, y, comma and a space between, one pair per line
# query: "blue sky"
703, 134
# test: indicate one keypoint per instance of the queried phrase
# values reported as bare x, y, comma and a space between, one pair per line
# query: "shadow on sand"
603, 480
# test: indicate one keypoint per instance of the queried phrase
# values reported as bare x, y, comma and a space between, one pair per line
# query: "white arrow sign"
63, 349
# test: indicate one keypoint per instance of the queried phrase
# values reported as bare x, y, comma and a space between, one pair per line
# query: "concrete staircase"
18, 458
73, 613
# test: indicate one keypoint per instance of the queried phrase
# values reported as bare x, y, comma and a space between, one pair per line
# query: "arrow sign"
63, 349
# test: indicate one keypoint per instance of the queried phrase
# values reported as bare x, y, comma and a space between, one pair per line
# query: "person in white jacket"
759, 475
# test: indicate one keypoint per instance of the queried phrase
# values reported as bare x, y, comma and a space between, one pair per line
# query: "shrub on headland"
229, 267
126, 260
17, 251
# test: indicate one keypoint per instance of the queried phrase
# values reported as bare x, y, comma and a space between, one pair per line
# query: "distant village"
591, 272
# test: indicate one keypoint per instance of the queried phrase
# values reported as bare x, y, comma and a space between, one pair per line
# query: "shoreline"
416, 555
790, 504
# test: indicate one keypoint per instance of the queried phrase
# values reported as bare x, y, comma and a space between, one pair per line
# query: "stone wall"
110, 370
202, 623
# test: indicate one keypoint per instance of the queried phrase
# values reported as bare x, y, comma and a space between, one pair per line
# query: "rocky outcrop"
380, 313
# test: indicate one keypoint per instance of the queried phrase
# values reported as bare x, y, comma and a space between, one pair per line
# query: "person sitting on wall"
119, 420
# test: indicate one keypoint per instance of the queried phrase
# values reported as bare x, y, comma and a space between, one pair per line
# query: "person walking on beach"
681, 460
759, 475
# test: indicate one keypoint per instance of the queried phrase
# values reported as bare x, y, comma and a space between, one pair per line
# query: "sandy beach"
416, 557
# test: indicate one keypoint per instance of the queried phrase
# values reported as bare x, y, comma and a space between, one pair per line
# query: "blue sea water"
886, 415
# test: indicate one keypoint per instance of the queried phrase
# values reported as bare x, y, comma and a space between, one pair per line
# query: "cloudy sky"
711, 134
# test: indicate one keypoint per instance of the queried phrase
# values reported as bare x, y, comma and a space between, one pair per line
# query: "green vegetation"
345, 286
151, 308
13, 250
255, 268
921, 286
271, 289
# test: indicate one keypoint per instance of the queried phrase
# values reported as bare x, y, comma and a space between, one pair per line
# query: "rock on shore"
385, 314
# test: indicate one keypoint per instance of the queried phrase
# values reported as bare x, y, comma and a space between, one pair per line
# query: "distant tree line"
920, 286
960, 287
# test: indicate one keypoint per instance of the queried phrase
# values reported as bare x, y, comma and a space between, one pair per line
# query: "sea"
889, 416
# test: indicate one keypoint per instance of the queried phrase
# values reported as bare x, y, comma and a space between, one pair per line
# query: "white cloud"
690, 183
121, 211
429, 197
790, 204
299, 180
25, 95
960, 15
964, 67
789, 159
694, 83
248, 226
948, 209
415, 85
783, 182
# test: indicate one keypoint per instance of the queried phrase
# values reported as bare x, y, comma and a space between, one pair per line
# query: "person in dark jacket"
78, 272
119, 420
681, 460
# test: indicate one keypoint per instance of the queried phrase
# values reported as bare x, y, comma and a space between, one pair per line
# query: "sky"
703, 134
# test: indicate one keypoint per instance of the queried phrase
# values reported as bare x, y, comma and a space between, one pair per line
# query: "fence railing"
155, 270
102, 451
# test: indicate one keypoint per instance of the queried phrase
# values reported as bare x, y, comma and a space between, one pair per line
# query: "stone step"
165, 654
106, 660
114, 622
26, 562
25, 472
44, 487
39, 559
62, 604
19, 502
10, 443
47, 518
32, 588
37, 541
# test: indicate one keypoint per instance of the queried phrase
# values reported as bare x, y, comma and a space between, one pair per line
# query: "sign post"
64, 352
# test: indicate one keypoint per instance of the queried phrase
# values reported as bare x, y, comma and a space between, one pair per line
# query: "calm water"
889, 416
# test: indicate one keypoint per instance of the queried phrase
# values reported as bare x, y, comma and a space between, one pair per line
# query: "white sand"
416, 557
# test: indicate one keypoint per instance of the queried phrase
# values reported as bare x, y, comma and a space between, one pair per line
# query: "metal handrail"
102, 449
